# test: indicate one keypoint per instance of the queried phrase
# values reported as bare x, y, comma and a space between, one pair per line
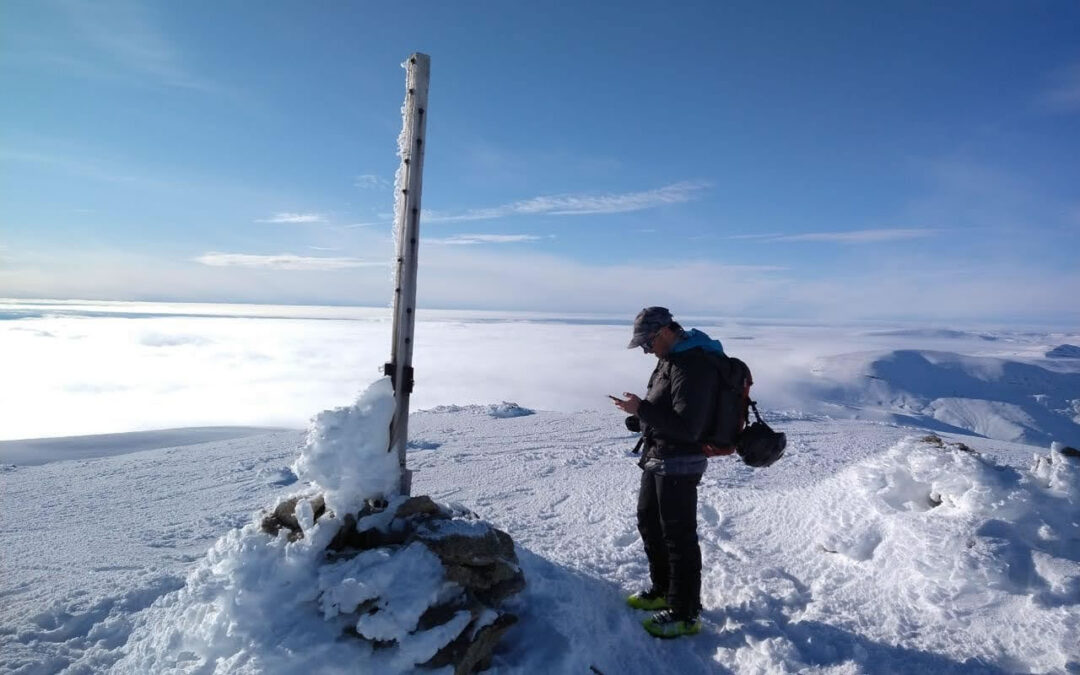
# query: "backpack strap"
753, 406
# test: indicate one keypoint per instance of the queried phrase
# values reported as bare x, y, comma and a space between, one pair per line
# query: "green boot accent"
651, 600
667, 624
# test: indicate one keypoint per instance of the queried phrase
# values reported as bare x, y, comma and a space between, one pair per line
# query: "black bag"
757, 444
760, 446
732, 408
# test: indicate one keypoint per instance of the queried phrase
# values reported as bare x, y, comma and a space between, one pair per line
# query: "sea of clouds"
76, 368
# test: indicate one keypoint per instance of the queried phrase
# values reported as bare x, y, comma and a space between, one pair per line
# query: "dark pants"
667, 521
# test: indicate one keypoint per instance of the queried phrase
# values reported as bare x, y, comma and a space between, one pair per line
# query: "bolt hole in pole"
407, 228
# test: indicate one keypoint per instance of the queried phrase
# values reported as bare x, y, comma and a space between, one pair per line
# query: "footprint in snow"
282, 476
710, 515
626, 539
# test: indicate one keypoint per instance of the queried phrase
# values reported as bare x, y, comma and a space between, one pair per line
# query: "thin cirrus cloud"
121, 41
472, 239
370, 181
848, 237
576, 204
282, 261
294, 218
580, 204
1063, 94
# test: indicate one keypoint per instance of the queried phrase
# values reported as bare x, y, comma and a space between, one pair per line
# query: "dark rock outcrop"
470, 653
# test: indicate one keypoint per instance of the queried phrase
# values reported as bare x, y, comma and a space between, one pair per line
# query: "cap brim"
637, 341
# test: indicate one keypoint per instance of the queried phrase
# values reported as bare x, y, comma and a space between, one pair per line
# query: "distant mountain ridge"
1064, 352
986, 396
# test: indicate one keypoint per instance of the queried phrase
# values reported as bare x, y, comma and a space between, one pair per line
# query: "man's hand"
630, 405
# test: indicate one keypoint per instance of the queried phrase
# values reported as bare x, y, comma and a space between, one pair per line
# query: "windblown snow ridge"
505, 409
925, 534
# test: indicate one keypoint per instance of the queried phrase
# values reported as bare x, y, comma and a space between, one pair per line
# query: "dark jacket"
676, 412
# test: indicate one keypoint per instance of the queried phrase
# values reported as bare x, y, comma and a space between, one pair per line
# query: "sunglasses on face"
648, 344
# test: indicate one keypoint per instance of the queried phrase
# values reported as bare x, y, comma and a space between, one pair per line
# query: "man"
674, 417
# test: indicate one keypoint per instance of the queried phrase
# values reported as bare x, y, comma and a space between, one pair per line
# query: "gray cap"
647, 323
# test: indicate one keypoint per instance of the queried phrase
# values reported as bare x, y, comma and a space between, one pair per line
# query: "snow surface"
44, 450
871, 547
866, 549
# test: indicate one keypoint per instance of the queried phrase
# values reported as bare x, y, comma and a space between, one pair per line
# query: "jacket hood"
695, 339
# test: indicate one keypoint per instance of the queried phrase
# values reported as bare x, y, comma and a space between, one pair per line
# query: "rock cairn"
474, 555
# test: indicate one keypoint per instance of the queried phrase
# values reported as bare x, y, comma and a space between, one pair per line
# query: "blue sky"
814, 160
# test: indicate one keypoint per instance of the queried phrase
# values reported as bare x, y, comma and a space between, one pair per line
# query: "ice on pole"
407, 188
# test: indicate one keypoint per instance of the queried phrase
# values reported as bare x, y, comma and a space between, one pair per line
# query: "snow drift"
928, 533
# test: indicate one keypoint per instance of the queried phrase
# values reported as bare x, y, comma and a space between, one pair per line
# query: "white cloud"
283, 261
768, 235
944, 287
370, 181
116, 379
469, 239
847, 237
578, 204
294, 218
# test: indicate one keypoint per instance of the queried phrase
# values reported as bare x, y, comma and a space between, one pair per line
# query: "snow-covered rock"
343, 572
503, 410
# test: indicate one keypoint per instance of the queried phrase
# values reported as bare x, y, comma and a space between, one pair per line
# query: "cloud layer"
471, 239
296, 218
577, 204
875, 236
283, 261
80, 371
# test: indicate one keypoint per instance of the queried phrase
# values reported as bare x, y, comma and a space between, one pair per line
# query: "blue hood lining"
695, 339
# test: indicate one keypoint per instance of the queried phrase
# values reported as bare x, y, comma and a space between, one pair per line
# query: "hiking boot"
672, 624
651, 600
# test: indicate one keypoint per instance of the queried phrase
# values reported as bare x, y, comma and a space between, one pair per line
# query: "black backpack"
757, 444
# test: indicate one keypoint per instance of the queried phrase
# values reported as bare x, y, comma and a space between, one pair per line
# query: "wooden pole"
407, 229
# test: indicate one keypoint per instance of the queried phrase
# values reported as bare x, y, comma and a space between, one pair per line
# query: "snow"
1064, 352
832, 560
44, 450
1029, 401
265, 604
504, 409
904, 530
346, 451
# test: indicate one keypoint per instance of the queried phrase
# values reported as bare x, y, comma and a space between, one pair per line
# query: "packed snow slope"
1034, 401
868, 548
